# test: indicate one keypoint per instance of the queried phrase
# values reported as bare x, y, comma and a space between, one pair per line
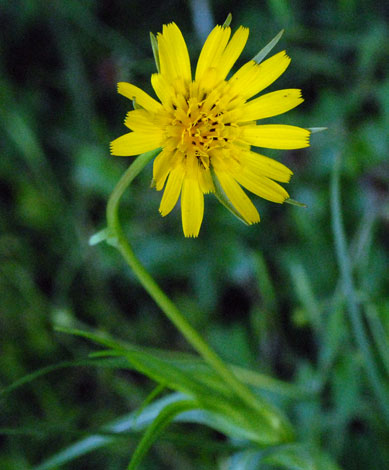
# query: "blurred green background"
267, 297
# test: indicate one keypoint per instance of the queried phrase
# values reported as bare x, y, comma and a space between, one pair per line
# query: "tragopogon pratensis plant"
205, 125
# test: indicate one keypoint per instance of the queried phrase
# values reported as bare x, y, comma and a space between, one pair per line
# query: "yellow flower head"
207, 125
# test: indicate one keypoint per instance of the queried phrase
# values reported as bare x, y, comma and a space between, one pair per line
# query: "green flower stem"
356, 319
168, 307
131, 173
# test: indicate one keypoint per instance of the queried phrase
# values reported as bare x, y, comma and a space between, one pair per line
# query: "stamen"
198, 123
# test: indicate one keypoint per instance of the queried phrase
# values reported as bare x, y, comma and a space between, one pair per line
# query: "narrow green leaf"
245, 460
164, 418
124, 424
61, 365
100, 338
266, 50
266, 286
358, 327
378, 333
150, 398
270, 384
135, 422
170, 375
298, 457
306, 296
228, 412
186, 363
269, 425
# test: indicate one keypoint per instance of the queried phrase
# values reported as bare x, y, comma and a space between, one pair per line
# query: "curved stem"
170, 309
131, 173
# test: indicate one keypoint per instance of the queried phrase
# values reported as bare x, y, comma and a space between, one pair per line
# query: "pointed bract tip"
228, 20
265, 51
135, 104
154, 47
314, 130
293, 202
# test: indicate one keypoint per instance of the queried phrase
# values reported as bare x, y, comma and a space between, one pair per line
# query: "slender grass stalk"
378, 333
169, 308
164, 418
356, 319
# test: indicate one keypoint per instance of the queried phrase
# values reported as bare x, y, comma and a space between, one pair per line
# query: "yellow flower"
207, 125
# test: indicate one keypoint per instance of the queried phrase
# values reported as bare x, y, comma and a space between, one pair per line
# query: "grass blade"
164, 418
350, 296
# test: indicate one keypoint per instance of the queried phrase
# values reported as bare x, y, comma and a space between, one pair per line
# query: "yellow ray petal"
238, 198
276, 136
162, 88
173, 53
262, 186
233, 51
172, 190
192, 207
142, 98
252, 78
271, 104
135, 143
140, 120
265, 166
212, 50
209, 81
161, 168
205, 180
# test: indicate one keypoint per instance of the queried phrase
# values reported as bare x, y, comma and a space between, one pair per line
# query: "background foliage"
267, 297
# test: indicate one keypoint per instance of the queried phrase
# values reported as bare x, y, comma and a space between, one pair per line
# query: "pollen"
199, 125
